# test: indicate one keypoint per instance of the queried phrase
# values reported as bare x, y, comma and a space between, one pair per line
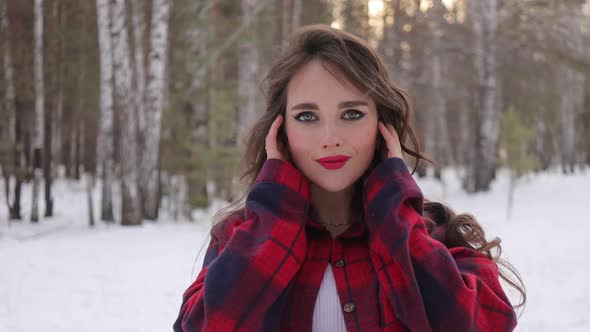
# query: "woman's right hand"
272, 148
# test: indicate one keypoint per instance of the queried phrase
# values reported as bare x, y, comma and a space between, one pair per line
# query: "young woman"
334, 234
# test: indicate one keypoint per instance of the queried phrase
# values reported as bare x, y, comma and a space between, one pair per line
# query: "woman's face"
329, 116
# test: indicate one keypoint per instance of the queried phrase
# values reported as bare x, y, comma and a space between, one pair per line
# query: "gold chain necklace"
340, 224
328, 223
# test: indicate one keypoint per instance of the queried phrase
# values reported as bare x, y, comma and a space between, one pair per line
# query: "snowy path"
62, 276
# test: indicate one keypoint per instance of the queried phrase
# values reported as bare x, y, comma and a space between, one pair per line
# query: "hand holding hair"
272, 149
394, 148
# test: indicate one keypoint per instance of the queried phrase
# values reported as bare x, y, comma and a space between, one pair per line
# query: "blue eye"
300, 116
308, 116
357, 114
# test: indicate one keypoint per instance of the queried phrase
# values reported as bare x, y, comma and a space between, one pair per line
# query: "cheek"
298, 140
365, 141
366, 147
299, 144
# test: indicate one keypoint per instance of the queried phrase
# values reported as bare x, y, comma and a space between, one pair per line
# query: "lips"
333, 162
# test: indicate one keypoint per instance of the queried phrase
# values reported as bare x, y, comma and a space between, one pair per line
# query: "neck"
328, 207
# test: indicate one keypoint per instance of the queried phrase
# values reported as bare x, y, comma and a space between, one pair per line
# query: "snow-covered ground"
62, 275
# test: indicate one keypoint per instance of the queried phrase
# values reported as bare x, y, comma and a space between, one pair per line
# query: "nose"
330, 139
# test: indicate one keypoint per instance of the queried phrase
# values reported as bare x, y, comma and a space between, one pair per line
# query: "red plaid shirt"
263, 268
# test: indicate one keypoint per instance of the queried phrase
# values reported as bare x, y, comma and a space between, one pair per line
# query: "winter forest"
132, 112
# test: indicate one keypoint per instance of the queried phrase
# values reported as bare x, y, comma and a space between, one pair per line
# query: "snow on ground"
61, 275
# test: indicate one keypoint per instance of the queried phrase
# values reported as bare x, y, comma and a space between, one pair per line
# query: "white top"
327, 313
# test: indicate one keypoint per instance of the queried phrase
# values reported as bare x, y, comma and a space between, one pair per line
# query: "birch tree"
482, 156
8, 73
291, 15
130, 204
389, 46
154, 100
197, 194
355, 17
9, 107
296, 20
105, 135
286, 10
139, 62
571, 84
39, 108
442, 141
58, 118
52, 63
249, 67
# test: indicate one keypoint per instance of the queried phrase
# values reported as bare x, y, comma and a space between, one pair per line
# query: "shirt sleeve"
250, 261
428, 286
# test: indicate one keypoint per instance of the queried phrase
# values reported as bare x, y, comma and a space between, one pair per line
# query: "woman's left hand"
392, 141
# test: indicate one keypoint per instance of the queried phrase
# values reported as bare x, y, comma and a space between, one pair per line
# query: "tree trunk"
105, 133
572, 99
71, 163
6, 178
586, 126
58, 119
39, 109
296, 21
9, 106
287, 16
10, 109
197, 37
393, 21
79, 146
19, 167
482, 164
130, 205
442, 142
47, 163
15, 213
542, 131
89, 197
249, 67
355, 16
138, 27
154, 100
137, 17
53, 63
511, 190
291, 16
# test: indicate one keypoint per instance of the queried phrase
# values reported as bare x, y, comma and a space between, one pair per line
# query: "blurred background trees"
152, 97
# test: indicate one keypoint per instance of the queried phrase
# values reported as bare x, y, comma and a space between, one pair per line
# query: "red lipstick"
333, 162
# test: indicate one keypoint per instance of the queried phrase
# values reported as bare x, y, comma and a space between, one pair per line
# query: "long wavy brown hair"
365, 69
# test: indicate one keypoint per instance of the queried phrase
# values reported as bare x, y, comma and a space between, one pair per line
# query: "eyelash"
359, 113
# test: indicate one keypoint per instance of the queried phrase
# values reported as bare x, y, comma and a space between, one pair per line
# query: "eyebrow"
344, 104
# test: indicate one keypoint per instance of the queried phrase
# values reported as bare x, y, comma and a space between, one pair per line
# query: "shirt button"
339, 263
349, 307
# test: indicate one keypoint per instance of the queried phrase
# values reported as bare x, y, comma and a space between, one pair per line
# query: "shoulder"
223, 230
476, 261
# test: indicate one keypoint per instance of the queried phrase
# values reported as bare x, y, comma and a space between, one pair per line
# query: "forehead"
319, 81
